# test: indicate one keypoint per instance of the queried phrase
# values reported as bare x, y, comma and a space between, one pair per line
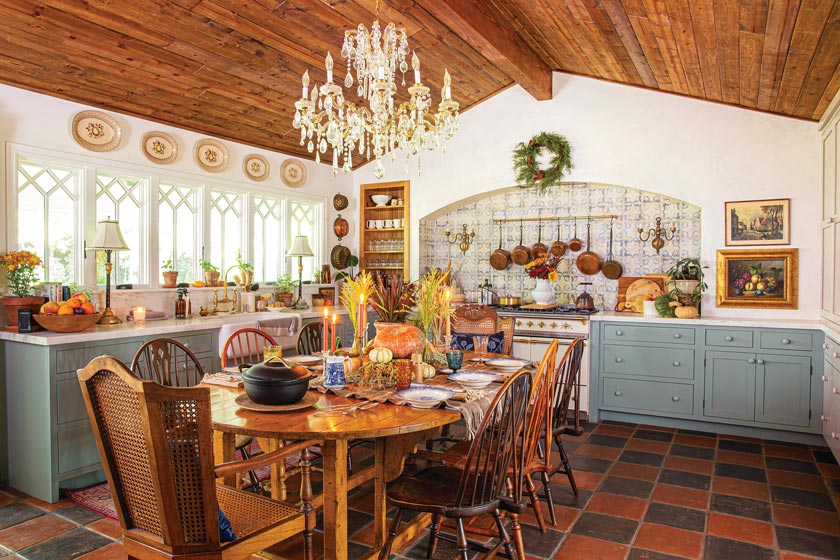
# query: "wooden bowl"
67, 323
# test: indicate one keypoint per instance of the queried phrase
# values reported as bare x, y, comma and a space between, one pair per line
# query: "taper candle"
361, 317
334, 319
326, 332
448, 296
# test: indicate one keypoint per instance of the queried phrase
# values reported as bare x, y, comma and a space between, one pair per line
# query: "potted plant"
211, 272
20, 278
170, 275
686, 277
285, 289
392, 300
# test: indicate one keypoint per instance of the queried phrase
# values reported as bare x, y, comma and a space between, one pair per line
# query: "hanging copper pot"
341, 227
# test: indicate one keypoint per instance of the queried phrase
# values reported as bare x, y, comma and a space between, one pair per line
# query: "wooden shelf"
384, 267
384, 252
384, 229
386, 207
369, 211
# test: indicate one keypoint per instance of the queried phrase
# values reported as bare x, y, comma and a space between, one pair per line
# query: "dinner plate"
96, 131
304, 360
211, 155
159, 147
256, 167
507, 364
473, 379
424, 396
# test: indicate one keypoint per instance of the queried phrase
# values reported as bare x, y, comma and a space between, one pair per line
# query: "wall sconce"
463, 239
658, 233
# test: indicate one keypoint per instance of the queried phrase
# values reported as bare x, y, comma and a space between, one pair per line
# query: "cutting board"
537, 306
625, 281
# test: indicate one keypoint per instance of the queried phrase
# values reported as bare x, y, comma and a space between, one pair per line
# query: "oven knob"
541, 324
553, 325
519, 323
530, 323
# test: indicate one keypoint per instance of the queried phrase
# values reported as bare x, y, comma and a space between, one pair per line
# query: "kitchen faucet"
487, 287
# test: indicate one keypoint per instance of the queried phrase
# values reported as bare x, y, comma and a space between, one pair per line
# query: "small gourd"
684, 311
428, 370
381, 355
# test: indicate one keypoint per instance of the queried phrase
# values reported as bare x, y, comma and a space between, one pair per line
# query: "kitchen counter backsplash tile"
635, 207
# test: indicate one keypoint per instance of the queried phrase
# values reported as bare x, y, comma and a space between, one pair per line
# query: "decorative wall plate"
256, 167
159, 147
96, 131
211, 155
293, 173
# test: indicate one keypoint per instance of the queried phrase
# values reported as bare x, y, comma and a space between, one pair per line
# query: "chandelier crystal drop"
377, 125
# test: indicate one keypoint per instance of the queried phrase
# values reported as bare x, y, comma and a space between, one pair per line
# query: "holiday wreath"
526, 167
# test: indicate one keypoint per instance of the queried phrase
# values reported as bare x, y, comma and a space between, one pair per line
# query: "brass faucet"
225, 299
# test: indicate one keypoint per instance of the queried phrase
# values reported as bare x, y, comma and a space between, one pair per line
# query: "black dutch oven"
274, 382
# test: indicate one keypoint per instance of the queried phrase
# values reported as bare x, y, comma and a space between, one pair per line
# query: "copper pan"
588, 262
520, 254
500, 258
539, 247
612, 269
575, 244
558, 248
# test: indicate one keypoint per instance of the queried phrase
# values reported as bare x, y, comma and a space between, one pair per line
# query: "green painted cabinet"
729, 385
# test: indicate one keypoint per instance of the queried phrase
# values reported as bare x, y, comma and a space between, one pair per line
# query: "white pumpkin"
428, 370
381, 355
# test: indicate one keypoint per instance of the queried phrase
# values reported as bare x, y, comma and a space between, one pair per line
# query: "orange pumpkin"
402, 340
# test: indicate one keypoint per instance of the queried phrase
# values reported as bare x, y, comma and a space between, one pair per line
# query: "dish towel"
281, 326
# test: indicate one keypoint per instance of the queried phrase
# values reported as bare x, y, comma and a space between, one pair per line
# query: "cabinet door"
783, 389
828, 264
538, 348
835, 263
522, 348
730, 385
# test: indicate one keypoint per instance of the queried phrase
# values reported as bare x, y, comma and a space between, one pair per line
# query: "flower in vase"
544, 267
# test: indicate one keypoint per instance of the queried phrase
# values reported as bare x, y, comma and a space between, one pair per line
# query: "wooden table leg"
380, 506
224, 450
335, 499
278, 469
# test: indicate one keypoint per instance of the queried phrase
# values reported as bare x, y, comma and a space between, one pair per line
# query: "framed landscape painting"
758, 278
758, 222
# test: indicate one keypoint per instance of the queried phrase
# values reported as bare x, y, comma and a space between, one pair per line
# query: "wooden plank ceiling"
232, 68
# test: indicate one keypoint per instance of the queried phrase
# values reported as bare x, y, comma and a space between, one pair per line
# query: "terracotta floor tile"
48, 506
639, 472
612, 430
807, 518
690, 465
795, 480
578, 547
740, 529
566, 517
621, 506
111, 552
800, 453
829, 470
785, 555
598, 451
648, 445
36, 530
584, 479
697, 441
743, 488
736, 458
669, 540
680, 496
108, 527
5, 499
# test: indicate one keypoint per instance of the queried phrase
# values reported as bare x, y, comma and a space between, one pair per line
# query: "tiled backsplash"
634, 208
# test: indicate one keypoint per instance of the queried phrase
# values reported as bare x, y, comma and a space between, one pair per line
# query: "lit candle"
334, 319
328, 62
361, 316
326, 331
415, 63
448, 296
139, 315
305, 82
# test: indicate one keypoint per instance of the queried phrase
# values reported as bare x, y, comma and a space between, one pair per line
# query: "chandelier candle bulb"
328, 62
415, 64
305, 81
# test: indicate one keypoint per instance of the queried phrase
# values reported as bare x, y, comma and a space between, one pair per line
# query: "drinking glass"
271, 351
454, 358
480, 346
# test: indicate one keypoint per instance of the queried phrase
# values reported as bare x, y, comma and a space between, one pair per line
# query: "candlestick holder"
358, 346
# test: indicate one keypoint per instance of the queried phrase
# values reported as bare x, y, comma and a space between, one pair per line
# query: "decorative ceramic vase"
170, 278
14, 304
543, 293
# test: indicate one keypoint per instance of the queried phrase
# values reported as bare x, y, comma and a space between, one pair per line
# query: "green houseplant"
170, 275
211, 272
686, 279
285, 289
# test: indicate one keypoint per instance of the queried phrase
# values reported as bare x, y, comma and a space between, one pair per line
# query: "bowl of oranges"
74, 315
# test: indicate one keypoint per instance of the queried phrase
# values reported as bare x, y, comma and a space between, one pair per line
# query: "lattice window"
268, 238
225, 227
123, 199
305, 220
178, 228
48, 205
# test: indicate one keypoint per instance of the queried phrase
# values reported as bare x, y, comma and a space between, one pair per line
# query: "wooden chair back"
540, 412
565, 380
475, 319
310, 339
507, 325
245, 346
153, 442
168, 362
494, 456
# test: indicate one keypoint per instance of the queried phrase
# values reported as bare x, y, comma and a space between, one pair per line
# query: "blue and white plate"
473, 379
507, 365
424, 396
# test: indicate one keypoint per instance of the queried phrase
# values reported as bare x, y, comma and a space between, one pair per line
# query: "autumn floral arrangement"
544, 268
20, 271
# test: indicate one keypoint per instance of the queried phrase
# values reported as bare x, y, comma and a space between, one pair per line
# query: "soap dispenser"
181, 304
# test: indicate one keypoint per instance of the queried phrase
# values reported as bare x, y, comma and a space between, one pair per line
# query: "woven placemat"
308, 400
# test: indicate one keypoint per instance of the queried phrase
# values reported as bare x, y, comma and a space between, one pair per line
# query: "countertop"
614, 316
129, 329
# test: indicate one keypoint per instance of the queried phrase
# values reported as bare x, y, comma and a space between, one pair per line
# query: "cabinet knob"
835, 355
618, 393
785, 341
751, 361
825, 345
835, 435
186, 345
619, 359
619, 333
675, 398
760, 362
676, 364
677, 335
835, 391
184, 367
825, 378
824, 418
728, 338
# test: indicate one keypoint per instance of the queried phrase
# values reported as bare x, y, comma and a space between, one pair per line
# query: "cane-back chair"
156, 447
310, 339
245, 346
477, 487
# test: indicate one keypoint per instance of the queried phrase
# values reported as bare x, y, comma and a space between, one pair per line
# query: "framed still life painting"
758, 278
758, 222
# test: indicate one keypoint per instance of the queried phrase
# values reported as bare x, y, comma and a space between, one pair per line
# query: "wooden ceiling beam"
485, 32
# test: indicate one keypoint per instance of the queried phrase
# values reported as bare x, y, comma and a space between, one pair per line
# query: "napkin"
225, 379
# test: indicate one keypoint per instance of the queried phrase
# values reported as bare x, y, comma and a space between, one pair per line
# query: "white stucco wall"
704, 153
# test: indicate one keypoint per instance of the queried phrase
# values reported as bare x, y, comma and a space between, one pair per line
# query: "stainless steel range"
536, 328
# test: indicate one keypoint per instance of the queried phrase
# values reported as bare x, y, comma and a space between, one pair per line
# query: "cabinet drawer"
632, 333
655, 362
832, 352
76, 449
71, 404
831, 428
68, 361
197, 343
648, 395
785, 340
732, 338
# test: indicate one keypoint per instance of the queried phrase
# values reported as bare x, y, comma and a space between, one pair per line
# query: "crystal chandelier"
328, 121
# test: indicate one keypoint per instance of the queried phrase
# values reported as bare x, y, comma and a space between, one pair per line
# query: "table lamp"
300, 248
108, 238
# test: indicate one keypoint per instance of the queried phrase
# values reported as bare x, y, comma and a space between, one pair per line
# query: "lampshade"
300, 247
108, 237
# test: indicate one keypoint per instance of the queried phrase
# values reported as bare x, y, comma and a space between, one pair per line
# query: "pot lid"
277, 371
339, 256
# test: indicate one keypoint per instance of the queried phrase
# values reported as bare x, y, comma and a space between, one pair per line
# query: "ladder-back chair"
310, 339
156, 447
245, 346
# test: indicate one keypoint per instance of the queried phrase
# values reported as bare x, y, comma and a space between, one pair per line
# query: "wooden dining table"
396, 431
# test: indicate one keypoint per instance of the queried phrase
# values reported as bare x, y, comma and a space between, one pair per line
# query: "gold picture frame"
758, 278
